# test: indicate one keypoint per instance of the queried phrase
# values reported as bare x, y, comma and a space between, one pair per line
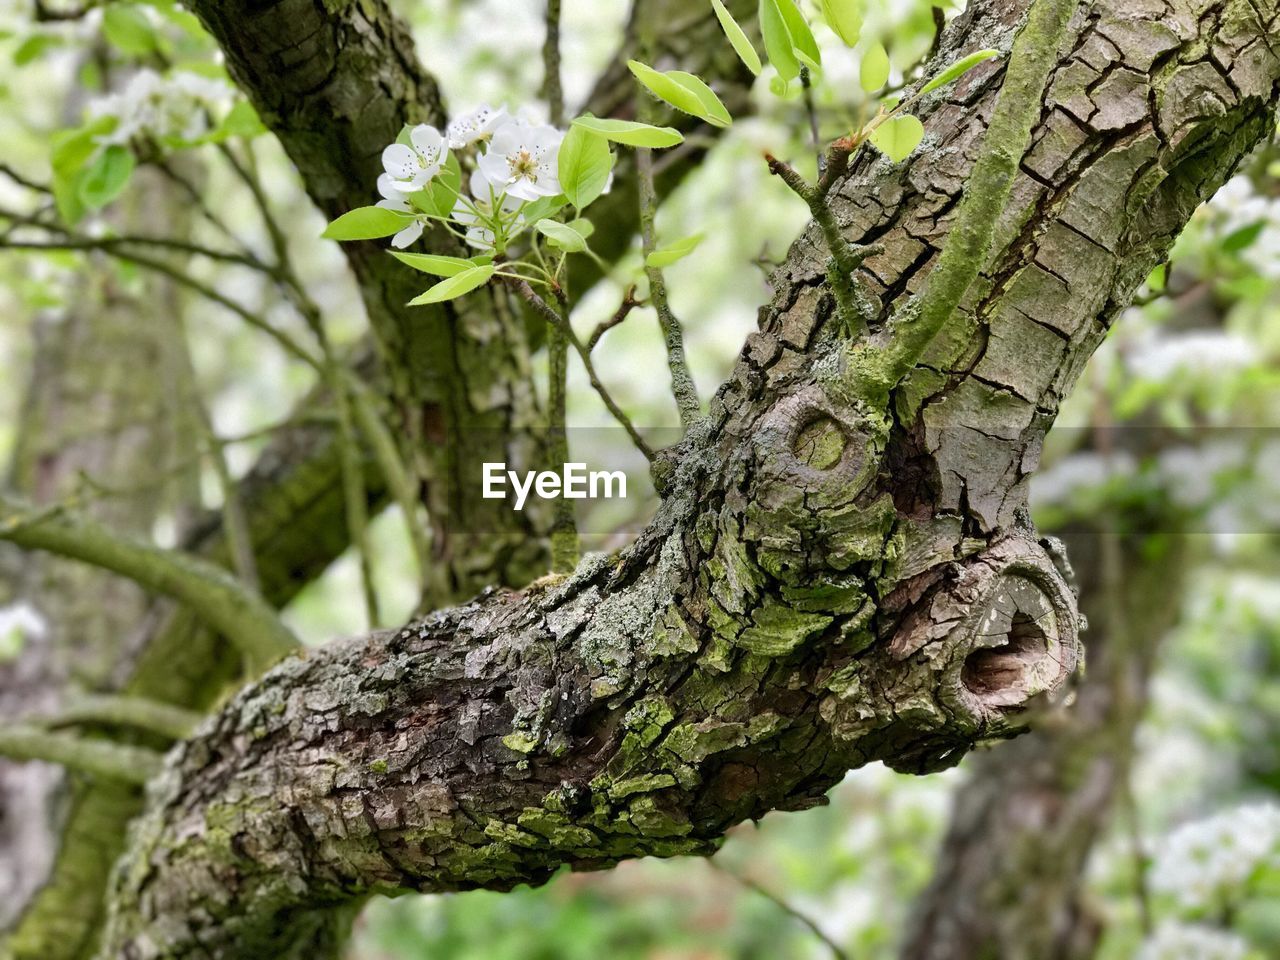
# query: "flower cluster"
19, 622
1210, 862
1189, 941
180, 107
515, 163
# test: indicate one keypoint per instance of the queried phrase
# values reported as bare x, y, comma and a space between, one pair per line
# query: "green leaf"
631, 133
435, 265
128, 30
665, 256
562, 235
72, 149
845, 18
456, 286
34, 46
802, 42
104, 178
898, 136
544, 206
584, 164
1244, 237
684, 91
738, 38
873, 73
366, 223
584, 227
957, 70
777, 41
241, 121
716, 112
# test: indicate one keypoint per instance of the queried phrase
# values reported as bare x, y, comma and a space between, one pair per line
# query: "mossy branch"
986, 193
218, 598
112, 710
101, 757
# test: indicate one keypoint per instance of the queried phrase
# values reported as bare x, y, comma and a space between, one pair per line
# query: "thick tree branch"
826, 583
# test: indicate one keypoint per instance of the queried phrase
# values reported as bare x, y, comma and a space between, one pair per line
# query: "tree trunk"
835, 576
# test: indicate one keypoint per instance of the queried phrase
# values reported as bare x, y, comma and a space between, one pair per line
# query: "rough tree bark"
834, 576
294, 493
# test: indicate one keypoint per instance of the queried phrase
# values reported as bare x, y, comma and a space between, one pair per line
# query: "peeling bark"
797, 607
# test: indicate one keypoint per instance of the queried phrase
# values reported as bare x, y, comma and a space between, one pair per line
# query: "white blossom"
1207, 354
522, 159
393, 199
476, 127
178, 106
1187, 941
410, 166
19, 622
1208, 862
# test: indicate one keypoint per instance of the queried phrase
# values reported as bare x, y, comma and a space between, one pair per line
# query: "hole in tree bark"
1005, 675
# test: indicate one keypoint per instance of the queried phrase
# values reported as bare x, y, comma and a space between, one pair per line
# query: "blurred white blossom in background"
1186, 941
1209, 863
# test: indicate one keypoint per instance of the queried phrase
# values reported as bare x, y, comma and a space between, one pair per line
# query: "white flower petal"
408, 235
401, 162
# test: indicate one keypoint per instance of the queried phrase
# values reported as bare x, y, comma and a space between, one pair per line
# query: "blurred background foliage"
1187, 388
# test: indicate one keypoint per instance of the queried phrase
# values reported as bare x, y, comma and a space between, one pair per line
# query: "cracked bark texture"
293, 493
826, 584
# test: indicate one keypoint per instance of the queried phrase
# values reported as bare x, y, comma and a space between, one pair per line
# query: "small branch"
394, 471
854, 306
355, 495
101, 757
565, 546
682, 384
629, 303
542, 307
111, 710
552, 89
218, 598
22, 181
836, 950
806, 84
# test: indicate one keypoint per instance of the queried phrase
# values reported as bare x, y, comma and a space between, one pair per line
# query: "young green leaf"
874, 70
544, 206
665, 256
366, 223
105, 178
584, 227
241, 121
456, 285
777, 41
435, 265
683, 91
128, 30
898, 136
845, 18
738, 38
584, 164
562, 235
631, 133
802, 42
1244, 237
716, 112
957, 70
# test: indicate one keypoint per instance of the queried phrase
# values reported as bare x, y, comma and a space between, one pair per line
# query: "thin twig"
806, 84
837, 951
23, 181
682, 383
552, 88
629, 303
565, 547
545, 310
